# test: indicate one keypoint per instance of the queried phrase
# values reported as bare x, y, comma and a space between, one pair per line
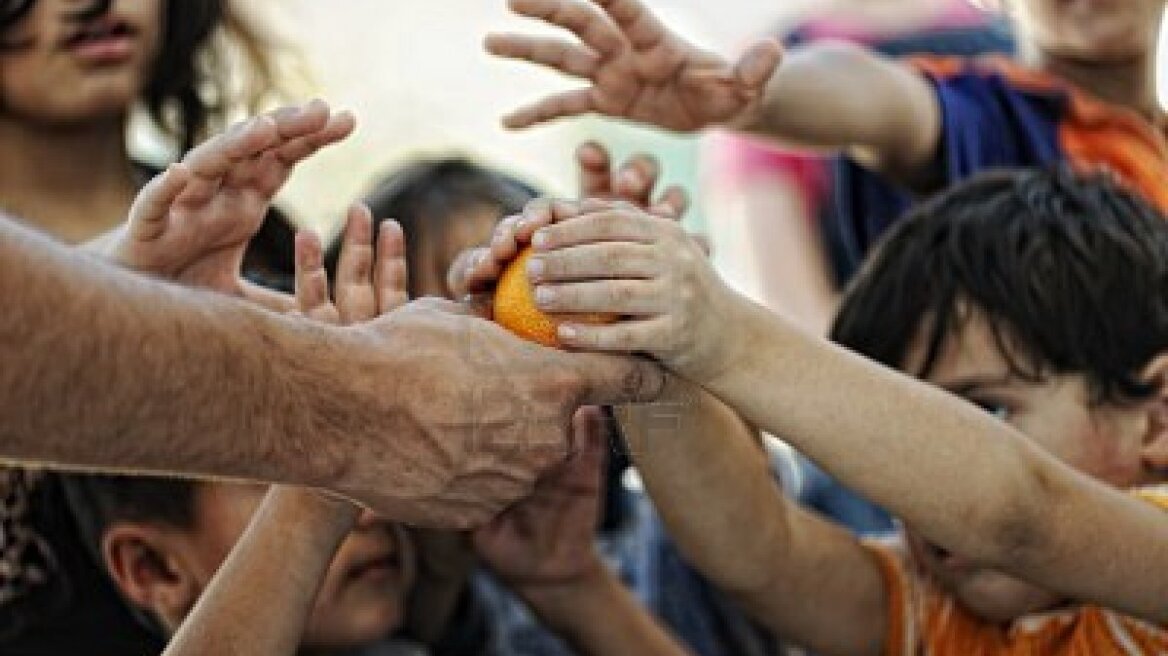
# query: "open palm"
192, 223
638, 69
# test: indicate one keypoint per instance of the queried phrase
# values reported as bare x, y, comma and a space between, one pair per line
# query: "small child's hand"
370, 281
475, 271
636, 67
547, 539
624, 261
193, 222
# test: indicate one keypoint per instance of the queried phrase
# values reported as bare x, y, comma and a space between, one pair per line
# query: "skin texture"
882, 114
335, 599
1045, 509
327, 407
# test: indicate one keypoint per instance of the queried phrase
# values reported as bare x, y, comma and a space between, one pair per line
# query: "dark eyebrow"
966, 385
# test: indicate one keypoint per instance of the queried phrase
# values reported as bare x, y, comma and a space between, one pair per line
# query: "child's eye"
998, 410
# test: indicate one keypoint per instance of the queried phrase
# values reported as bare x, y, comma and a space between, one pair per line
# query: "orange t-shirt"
923, 620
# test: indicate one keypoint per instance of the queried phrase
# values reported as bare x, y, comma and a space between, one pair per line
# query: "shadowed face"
1102, 441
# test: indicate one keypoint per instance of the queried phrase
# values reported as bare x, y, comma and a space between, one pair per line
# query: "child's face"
363, 596
1091, 30
468, 229
1103, 441
71, 73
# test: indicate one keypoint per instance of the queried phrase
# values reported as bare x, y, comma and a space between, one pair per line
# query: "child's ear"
1155, 446
149, 571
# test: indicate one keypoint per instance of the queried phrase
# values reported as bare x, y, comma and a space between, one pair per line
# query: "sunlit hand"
636, 67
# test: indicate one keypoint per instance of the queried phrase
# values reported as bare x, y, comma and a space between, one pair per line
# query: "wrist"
553, 600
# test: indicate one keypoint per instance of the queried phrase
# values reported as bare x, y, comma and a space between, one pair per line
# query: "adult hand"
438, 418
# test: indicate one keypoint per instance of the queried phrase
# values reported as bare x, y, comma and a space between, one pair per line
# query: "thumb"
618, 379
756, 66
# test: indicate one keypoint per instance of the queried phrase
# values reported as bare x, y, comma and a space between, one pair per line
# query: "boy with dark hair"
1034, 503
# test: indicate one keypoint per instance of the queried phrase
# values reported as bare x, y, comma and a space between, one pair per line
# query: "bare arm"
274, 572
1024, 512
835, 97
99, 365
807, 580
598, 615
844, 97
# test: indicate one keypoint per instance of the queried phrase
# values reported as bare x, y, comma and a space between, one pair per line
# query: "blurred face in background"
68, 64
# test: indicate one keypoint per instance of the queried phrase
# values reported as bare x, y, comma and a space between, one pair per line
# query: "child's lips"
381, 565
106, 40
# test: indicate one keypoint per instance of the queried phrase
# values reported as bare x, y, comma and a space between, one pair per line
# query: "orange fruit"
515, 309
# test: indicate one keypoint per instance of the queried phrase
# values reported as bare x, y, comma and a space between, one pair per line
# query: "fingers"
595, 170
581, 19
210, 162
595, 261
337, 128
354, 286
390, 273
674, 203
312, 294
564, 56
622, 297
560, 105
612, 380
623, 337
636, 179
625, 224
758, 64
152, 205
638, 25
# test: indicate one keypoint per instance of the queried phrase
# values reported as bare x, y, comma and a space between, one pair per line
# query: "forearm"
963, 479
260, 600
842, 97
598, 616
106, 370
708, 478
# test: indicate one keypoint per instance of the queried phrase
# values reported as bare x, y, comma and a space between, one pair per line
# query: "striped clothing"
924, 621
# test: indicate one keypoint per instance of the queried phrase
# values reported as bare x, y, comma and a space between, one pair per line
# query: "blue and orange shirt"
997, 113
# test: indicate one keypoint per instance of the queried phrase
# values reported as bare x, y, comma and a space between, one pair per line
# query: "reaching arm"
1024, 513
260, 600
806, 579
835, 97
544, 549
99, 366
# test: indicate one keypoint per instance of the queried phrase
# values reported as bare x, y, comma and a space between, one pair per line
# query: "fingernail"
544, 296
540, 239
567, 332
535, 268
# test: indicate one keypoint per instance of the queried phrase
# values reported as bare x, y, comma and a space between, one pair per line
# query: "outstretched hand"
193, 222
637, 68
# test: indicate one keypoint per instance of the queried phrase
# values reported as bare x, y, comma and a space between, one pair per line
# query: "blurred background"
416, 75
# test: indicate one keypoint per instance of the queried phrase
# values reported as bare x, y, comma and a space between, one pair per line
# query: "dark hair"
426, 195
187, 94
98, 501
1071, 272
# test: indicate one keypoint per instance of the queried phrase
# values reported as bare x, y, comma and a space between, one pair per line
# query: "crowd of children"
995, 376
